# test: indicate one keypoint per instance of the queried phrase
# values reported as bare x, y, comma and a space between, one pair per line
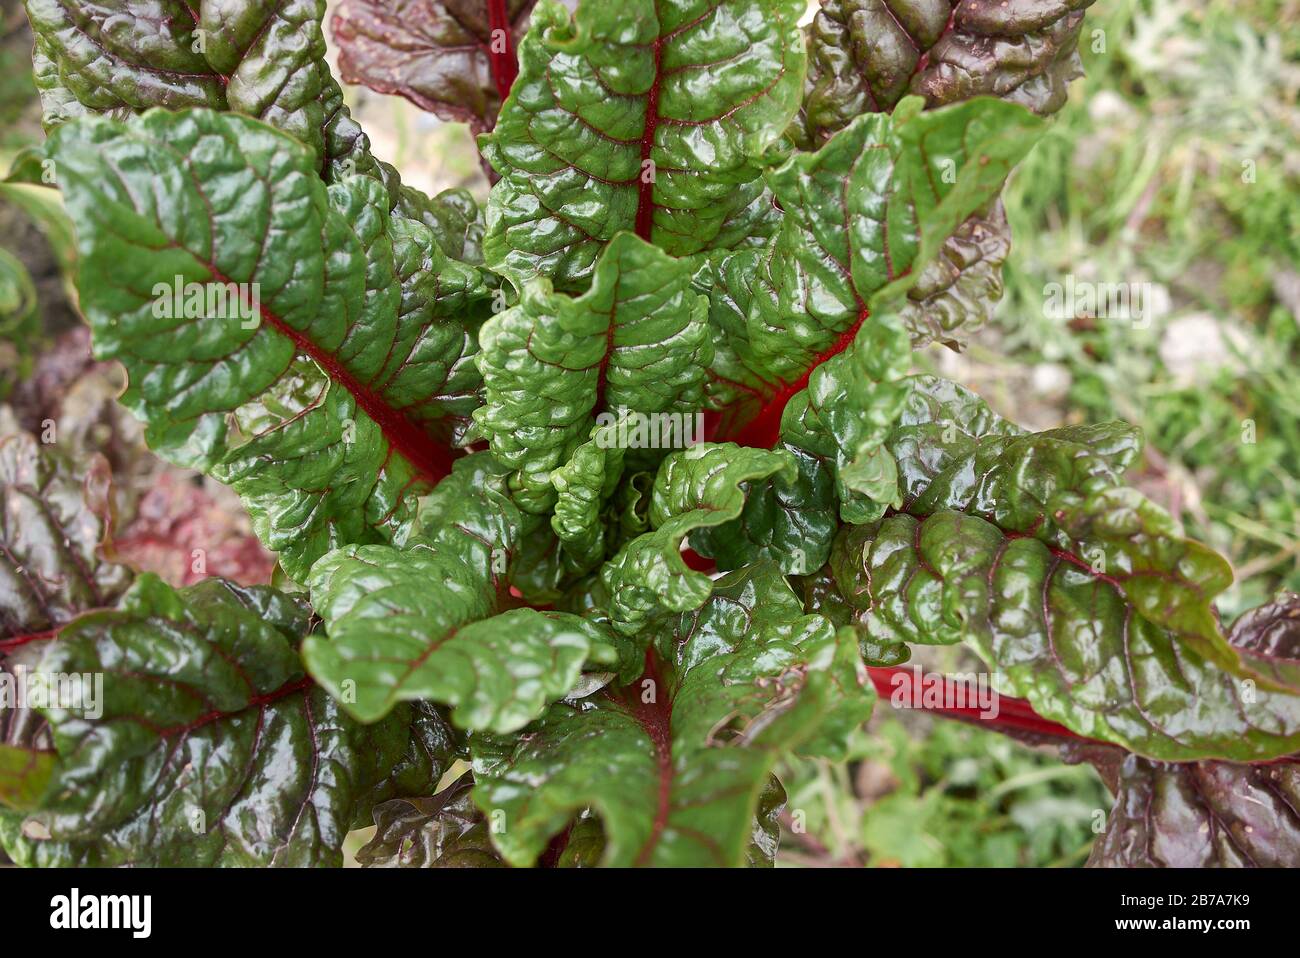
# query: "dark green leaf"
677, 764
696, 488
323, 386
442, 831
205, 743
864, 55
1081, 593
263, 58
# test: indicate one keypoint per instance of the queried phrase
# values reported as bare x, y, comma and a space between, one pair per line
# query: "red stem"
505, 66
1013, 714
655, 718
764, 430
429, 458
645, 203
14, 642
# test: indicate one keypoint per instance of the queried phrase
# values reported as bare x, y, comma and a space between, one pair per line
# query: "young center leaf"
695, 488
835, 430
205, 743
1078, 591
675, 765
637, 340
265, 321
645, 116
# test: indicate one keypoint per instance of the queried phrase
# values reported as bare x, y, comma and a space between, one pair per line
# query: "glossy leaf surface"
675, 764
205, 743
644, 116
261, 321
1081, 593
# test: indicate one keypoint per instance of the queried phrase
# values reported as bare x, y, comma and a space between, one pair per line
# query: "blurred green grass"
1177, 162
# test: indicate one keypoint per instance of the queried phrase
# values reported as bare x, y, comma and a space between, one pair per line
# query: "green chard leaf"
813, 353
695, 488
1078, 591
422, 624
205, 744
677, 765
875, 204
865, 55
554, 366
293, 340
957, 292
647, 116
56, 522
583, 485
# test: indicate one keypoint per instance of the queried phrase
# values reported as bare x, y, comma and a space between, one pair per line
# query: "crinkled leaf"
787, 521
1195, 814
263, 58
644, 115
695, 488
864, 55
675, 765
212, 748
637, 340
1081, 593
421, 623
765, 839
436, 53
396, 632
319, 406
440, 831
873, 205
957, 292
848, 410
872, 215
1268, 638
55, 522
835, 428
583, 485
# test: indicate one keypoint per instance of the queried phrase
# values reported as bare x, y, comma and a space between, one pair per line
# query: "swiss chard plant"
594, 504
